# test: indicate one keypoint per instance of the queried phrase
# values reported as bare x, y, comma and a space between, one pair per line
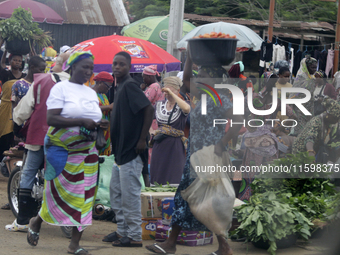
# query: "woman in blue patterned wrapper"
182, 218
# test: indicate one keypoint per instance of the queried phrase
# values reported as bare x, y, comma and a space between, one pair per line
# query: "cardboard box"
190, 238
152, 203
149, 228
168, 205
162, 232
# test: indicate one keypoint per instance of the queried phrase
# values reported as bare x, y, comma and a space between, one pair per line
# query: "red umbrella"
40, 12
143, 53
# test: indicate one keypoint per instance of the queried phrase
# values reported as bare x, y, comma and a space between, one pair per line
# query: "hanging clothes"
266, 56
323, 60
291, 61
317, 55
279, 53
330, 60
297, 61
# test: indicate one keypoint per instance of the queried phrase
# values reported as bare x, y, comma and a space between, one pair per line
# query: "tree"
302, 10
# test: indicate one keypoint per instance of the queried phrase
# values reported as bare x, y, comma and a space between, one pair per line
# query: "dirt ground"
52, 242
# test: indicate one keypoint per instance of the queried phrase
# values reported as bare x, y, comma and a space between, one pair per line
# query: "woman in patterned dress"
72, 169
182, 218
103, 84
305, 79
317, 129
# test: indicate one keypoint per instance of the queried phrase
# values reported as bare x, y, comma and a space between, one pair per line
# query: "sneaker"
16, 227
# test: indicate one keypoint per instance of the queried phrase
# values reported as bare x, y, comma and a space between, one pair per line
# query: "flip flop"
6, 207
32, 237
126, 242
80, 251
157, 247
111, 237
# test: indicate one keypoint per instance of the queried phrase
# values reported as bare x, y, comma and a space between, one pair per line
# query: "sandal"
126, 242
32, 237
155, 248
6, 207
80, 251
111, 237
15, 226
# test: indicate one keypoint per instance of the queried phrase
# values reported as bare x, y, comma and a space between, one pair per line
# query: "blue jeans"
125, 189
33, 162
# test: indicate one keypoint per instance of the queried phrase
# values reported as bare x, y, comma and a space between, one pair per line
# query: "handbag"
94, 135
318, 107
160, 137
100, 140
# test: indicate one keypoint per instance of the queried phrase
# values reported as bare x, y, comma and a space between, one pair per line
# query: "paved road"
53, 243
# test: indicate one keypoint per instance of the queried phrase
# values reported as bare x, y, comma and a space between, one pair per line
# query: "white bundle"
211, 196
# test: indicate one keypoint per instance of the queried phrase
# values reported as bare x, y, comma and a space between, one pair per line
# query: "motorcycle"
15, 166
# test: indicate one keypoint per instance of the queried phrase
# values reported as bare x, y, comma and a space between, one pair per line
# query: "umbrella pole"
175, 27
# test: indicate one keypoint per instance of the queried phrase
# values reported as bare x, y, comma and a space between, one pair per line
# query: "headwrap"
303, 70
321, 73
240, 63
234, 71
79, 55
173, 81
332, 107
104, 76
64, 48
310, 61
150, 70
214, 71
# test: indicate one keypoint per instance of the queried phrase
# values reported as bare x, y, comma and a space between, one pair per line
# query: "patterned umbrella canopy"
40, 12
143, 53
153, 29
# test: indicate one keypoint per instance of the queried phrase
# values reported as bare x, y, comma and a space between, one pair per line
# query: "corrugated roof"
91, 12
316, 26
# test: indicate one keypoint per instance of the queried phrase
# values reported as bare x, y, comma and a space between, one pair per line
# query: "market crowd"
144, 121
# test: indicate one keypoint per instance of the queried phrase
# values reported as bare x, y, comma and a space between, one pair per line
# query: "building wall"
71, 34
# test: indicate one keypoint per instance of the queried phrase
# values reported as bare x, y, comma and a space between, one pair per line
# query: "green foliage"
161, 188
311, 206
298, 181
268, 218
297, 10
20, 25
333, 211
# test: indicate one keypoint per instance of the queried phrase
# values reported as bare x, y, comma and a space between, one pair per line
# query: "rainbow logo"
209, 93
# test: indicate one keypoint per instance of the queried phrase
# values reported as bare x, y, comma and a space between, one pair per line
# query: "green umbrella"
153, 29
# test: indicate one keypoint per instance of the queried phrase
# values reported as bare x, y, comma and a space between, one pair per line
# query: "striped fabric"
68, 199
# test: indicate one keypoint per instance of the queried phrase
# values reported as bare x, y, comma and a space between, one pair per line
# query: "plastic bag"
105, 173
211, 196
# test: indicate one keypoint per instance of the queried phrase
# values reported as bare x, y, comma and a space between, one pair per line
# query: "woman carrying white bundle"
188, 216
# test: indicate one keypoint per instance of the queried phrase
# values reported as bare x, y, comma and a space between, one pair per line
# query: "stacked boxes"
168, 205
152, 212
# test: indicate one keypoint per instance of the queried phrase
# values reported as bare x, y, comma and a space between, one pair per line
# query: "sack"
318, 108
100, 140
211, 196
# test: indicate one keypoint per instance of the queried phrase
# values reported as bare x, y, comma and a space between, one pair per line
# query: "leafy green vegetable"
161, 188
20, 25
266, 217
